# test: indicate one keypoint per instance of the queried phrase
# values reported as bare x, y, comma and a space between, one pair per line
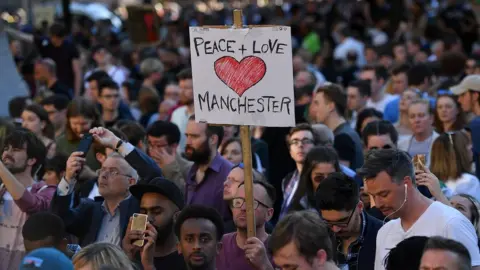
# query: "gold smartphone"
139, 223
419, 161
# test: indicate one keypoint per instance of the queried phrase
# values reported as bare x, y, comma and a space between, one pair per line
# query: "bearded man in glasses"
338, 201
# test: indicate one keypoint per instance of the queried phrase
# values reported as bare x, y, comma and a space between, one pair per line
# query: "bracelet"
120, 142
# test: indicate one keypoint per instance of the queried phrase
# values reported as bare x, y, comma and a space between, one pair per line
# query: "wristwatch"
119, 143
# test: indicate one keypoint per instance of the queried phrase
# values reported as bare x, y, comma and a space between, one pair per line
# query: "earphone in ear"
405, 191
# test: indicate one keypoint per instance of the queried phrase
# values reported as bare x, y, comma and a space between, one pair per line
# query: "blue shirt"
392, 110
110, 230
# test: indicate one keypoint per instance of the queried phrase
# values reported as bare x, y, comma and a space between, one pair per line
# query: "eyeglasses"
341, 224
239, 202
156, 146
386, 146
110, 173
304, 141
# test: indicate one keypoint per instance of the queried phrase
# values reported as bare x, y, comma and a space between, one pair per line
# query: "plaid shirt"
350, 260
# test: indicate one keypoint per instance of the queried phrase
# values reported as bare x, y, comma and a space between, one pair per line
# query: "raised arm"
75, 219
146, 168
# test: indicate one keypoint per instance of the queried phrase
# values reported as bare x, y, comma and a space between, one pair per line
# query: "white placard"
243, 76
43, 13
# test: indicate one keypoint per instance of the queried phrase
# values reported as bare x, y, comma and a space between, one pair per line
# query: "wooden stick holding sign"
256, 90
247, 155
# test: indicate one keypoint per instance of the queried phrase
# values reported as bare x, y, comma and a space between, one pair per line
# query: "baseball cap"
470, 82
46, 259
161, 186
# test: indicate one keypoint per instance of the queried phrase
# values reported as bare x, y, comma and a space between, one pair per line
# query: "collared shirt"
110, 230
350, 260
209, 192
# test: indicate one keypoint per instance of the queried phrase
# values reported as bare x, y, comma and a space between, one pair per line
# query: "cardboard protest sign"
243, 76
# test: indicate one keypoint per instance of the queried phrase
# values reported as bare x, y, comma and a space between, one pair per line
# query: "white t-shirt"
438, 220
381, 104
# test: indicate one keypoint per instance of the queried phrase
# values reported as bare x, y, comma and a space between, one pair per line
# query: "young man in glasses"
338, 201
239, 251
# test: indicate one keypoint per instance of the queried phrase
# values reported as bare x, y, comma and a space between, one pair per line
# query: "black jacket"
368, 243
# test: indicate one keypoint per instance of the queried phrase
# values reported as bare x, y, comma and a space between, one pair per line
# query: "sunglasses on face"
386, 146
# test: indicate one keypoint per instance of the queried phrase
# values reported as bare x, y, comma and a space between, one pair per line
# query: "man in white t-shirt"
390, 179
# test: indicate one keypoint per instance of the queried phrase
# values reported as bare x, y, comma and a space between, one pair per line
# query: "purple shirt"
231, 257
210, 191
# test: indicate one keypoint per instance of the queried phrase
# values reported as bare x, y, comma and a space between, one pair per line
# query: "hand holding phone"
74, 165
139, 223
85, 143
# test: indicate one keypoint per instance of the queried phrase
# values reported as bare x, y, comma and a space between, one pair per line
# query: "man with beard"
181, 114
239, 251
20, 194
160, 199
338, 201
204, 183
199, 230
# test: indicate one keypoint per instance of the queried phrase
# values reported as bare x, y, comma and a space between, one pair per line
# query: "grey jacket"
177, 171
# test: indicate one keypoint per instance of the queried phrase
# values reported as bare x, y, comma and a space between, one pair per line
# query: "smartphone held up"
139, 223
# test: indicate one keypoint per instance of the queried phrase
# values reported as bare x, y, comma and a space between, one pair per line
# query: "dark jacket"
367, 243
84, 220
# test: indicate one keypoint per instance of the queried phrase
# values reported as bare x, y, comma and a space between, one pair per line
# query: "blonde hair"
102, 254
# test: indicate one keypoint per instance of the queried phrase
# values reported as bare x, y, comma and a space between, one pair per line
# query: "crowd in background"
380, 172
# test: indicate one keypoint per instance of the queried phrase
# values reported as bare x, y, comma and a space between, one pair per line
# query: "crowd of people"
380, 172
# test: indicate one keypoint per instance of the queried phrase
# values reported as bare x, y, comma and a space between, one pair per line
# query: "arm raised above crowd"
75, 219
146, 167
29, 201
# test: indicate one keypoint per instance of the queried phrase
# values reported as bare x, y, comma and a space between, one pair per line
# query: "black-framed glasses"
304, 141
110, 172
239, 202
342, 224
386, 146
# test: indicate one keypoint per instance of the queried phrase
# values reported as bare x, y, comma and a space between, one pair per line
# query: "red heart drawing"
240, 76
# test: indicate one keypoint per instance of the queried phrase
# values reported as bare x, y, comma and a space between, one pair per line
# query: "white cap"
471, 82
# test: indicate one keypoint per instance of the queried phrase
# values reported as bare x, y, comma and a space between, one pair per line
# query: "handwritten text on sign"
243, 76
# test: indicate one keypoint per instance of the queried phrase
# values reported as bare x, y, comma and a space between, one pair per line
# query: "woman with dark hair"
319, 163
231, 150
366, 116
448, 114
35, 119
82, 115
